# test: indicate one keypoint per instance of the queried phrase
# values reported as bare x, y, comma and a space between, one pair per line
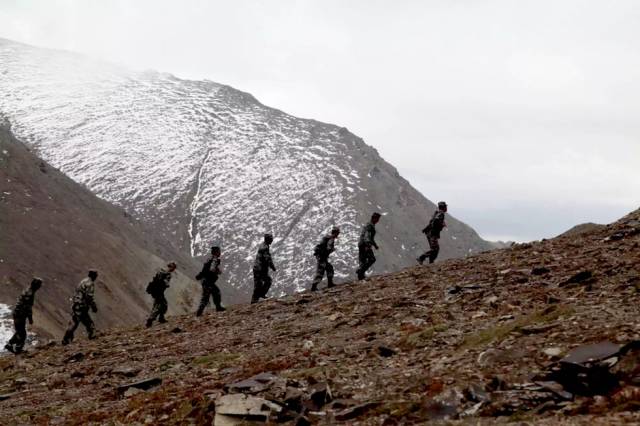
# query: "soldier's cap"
172, 265
36, 280
442, 204
215, 248
335, 230
376, 215
268, 236
93, 272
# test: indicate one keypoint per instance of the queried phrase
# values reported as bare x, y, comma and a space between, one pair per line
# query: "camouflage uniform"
261, 278
432, 231
365, 249
322, 251
22, 312
83, 300
209, 275
160, 306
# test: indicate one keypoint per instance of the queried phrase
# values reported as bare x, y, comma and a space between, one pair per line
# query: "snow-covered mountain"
207, 164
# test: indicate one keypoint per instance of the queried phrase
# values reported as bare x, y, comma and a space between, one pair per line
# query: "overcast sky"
523, 115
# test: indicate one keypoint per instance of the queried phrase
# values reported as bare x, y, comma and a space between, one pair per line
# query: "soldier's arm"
91, 301
269, 260
372, 238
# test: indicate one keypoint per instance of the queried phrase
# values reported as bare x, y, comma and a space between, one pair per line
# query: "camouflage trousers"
209, 290
434, 249
160, 307
366, 260
20, 335
79, 315
261, 285
323, 266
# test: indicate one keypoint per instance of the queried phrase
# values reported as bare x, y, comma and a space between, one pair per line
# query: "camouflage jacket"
368, 235
436, 224
161, 280
325, 247
84, 296
210, 270
24, 305
263, 259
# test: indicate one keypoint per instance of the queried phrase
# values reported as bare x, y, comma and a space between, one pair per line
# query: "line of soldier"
83, 299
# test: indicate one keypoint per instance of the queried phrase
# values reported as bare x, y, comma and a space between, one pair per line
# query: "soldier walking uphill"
156, 289
261, 266
366, 244
432, 231
21, 313
209, 276
83, 300
322, 251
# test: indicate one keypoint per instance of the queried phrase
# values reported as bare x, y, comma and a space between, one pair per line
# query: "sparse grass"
421, 338
488, 335
216, 360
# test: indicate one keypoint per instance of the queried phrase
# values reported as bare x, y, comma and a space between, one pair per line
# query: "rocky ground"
543, 333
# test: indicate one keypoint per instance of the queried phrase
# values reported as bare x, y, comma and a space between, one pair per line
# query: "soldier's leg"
435, 249
155, 311
257, 286
20, 335
329, 268
320, 269
86, 320
217, 298
266, 285
369, 260
362, 260
162, 308
204, 300
73, 325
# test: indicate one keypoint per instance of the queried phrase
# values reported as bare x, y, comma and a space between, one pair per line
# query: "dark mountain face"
207, 164
54, 228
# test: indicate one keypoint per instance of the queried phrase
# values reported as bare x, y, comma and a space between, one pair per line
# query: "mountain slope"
52, 227
207, 164
463, 339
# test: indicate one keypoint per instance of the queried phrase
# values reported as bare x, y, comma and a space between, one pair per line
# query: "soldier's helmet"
36, 282
215, 249
93, 274
172, 266
268, 238
442, 205
335, 230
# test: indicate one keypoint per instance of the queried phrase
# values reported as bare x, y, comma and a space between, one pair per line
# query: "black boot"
149, 323
314, 287
330, 283
220, 308
420, 259
9, 347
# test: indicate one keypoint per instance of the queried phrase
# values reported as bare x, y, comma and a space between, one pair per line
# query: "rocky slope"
52, 227
205, 163
494, 338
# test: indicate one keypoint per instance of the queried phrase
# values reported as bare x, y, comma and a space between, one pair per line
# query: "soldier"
322, 251
366, 244
83, 300
209, 276
156, 289
432, 231
21, 313
261, 266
